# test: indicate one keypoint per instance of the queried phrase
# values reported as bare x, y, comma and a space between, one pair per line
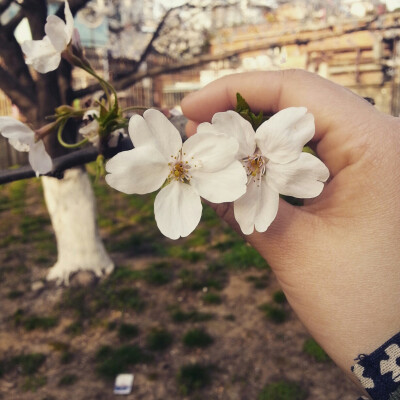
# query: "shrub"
192, 377
313, 349
197, 338
158, 339
282, 390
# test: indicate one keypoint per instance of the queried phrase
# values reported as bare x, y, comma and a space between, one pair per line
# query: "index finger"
336, 109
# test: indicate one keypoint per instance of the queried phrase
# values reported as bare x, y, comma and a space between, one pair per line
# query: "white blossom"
204, 165
274, 162
91, 130
23, 138
45, 55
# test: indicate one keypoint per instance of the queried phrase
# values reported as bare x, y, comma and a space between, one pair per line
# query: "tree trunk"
72, 208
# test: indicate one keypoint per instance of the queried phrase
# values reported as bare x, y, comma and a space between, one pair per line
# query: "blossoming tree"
37, 84
227, 161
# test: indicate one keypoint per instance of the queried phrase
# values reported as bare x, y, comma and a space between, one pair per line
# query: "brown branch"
15, 21
60, 164
19, 94
4, 5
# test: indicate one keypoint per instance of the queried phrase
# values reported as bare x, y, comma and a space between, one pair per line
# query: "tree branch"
19, 94
4, 5
15, 21
60, 164
277, 40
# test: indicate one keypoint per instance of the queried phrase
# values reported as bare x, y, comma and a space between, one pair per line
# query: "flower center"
255, 166
179, 169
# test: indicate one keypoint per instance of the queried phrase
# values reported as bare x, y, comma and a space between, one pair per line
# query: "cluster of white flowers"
22, 138
226, 161
45, 55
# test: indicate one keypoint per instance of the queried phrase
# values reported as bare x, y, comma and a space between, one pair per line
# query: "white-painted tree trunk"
72, 208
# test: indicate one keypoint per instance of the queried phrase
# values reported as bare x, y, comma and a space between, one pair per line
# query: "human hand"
337, 258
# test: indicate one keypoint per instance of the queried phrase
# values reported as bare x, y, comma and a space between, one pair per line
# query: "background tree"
70, 200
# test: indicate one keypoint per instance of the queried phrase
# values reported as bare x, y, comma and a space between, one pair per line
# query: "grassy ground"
197, 318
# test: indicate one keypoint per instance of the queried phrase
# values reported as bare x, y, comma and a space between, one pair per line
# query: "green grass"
33, 322
259, 282
197, 338
197, 280
242, 256
17, 192
28, 364
158, 273
184, 254
192, 377
68, 380
274, 313
15, 294
75, 328
282, 390
314, 350
179, 316
199, 237
125, 275
127, 331
158, 339
111, 362
212, 298
33, 383
109, 295
279, 297
66, 357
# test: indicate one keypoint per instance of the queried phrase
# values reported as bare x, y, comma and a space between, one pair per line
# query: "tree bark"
72, 208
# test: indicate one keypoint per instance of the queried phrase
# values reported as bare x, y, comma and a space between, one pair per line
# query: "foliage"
274, 313
158, 339
192, 377
282, 390
111, 362
197, 338
28, 364
178, 315
313, 349
67, 380
33, 322
212, 298
259, 282
128, 331
33, 383
279, 297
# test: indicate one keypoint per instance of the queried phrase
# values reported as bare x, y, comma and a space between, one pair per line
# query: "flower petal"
69, 21
55, 31
39, 159
210, 152
18, 134
267, 207
257, 208
11, 127
227, 184
41, 54
154, 129
233, 125
282, 137
177, 209
302, 178
141, 170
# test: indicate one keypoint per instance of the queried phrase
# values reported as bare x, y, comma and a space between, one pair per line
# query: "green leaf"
241, 104
243, 109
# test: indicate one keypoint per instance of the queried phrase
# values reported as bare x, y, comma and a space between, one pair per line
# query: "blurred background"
202, 317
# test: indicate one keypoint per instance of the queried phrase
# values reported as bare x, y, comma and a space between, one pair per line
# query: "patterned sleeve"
379, 372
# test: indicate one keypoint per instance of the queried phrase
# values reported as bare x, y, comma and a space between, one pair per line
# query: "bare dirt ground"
69, 342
